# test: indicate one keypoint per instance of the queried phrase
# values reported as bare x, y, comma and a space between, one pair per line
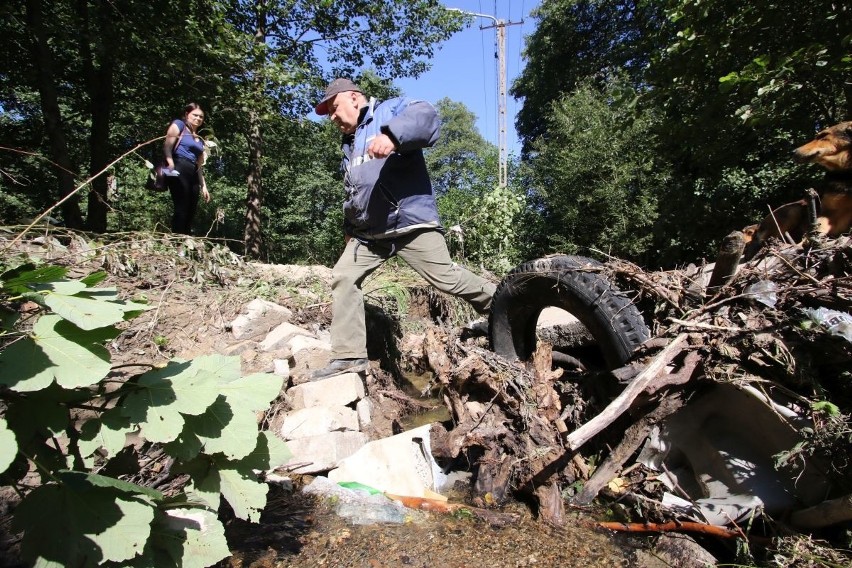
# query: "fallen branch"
632, 440
623, 401
825, 514
672, 526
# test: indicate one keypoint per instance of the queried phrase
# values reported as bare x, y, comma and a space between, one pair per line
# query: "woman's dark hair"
191, 107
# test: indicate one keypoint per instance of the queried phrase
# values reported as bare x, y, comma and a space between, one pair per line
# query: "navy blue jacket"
388, 197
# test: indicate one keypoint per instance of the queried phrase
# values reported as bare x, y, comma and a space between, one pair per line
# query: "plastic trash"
836, 323
169, 172
765, 292
371, 510
356, 486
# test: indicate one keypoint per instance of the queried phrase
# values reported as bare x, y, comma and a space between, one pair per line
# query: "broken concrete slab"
260, 316
340, 390
317, 454
400, 465
318, 420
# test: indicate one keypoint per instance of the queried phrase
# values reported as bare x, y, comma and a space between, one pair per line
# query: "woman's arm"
172, 136
203, 184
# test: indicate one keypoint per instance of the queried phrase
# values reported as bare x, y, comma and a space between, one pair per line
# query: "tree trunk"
254, 199
98, 68
52, 115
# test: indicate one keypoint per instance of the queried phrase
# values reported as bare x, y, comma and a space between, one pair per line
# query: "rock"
316, 454
318, 420
340, 390
364, 409
260, 317
281, 336
281, 367
238, 348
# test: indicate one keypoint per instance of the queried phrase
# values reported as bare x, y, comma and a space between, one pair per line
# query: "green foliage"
201, 413
732, 87
597, 186
480, 216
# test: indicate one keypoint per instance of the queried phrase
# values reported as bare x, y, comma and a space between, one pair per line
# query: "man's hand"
381, 147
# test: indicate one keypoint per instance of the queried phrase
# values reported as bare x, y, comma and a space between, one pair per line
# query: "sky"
464, 69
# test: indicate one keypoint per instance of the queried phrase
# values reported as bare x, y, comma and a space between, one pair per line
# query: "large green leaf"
82, 481
38, 413
82, 526
8, 446
226, 429
164, 395
219, 368
204, 480
108, 432
194, 538
253, 392
58, 350
87, 309
269, 453
244, 493
8, 318
19, 280
237, 480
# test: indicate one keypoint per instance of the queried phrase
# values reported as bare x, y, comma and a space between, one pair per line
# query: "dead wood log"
436, 354
551, 506
547, 401
633, 439
825, 514
623, 401
726, 263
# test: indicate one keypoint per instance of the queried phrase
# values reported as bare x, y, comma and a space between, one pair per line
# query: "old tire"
561, 281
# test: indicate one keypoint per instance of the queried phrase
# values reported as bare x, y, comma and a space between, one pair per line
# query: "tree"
287, 45
480, 216
597, 187
98, 80
579, 40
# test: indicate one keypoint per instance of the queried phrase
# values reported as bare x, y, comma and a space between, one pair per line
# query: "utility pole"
502, 128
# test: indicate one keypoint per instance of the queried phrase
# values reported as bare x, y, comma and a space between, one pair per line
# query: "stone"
316, 454
364, 409
309, 353
260, 316
238, 348
281, 367
340, 390
281, 336
317, 420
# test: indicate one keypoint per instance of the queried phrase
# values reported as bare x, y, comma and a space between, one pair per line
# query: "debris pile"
732, 420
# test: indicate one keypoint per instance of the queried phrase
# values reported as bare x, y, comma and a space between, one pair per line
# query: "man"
389, 210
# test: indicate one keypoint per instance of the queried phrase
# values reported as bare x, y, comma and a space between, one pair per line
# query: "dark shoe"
338, 367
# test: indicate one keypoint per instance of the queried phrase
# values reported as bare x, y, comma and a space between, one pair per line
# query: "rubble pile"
733, 418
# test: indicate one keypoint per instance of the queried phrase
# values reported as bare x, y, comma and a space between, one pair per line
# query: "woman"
183, 150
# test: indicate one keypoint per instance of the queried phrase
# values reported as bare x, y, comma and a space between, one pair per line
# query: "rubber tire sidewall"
564, 282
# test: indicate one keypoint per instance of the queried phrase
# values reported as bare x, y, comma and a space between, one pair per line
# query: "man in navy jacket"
389, 210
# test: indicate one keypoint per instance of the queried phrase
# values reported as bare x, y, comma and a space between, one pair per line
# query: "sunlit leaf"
58, 350
194, 538
8, 446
